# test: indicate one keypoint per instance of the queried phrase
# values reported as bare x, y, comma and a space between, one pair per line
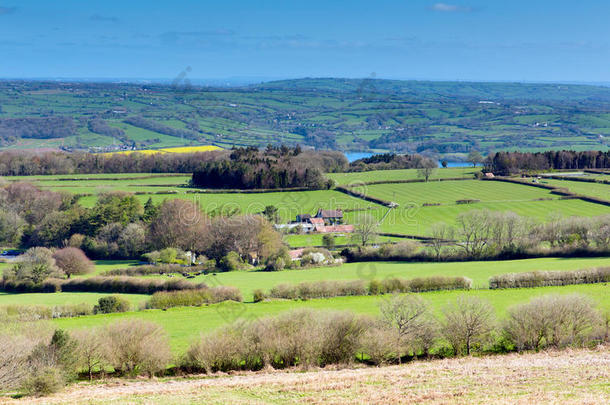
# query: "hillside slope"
568, 377
344, 114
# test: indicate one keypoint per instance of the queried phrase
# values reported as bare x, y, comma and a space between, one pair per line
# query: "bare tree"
468, 322
474, 232
91, 352
406, 315
441, 234
475, 158
427, 169
366, 229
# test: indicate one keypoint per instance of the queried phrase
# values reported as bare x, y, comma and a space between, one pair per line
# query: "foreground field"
567, 377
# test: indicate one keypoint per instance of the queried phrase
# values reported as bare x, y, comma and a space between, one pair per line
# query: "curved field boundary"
555, 190
362, 196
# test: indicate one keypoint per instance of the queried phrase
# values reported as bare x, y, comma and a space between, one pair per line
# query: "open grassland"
566, 377
417, 209
599, 190
248, 281
95, 184
417, 220
289, 204
448, 192
479, 272
399, 175
184, 324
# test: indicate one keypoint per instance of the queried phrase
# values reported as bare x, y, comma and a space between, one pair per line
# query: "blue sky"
535, 40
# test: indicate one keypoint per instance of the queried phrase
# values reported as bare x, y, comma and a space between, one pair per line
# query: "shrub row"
318, 289
147, 270
467, 201
193, 298
40, 363
406, 329
327, 289
420, 284
29, 313
125, 285
550, 278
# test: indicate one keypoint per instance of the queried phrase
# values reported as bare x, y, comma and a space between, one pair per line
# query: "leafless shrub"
302, 337
409, 318
136, 346
468, 323
552, 320
318, 289
92, 352
18, 341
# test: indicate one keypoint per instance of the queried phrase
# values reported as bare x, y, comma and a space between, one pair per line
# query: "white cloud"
450, 8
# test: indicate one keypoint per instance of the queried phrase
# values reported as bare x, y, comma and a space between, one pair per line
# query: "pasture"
184, 324
599, 190
424, 204
355, 178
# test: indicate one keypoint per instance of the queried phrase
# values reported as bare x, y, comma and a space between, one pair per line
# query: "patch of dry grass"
566, 377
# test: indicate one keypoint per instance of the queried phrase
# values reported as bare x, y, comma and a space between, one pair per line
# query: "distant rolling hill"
446, 118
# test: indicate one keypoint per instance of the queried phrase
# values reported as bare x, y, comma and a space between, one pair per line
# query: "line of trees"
388, 161
486, 234
508, 163
273, 168
28, 163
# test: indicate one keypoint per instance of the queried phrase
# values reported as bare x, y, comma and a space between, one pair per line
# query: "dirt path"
568, 377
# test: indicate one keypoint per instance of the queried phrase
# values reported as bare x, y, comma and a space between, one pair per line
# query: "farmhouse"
330, 217
325, 221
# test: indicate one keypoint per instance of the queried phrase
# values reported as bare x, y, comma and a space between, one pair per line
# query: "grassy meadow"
355, 178
599, 190
184, 324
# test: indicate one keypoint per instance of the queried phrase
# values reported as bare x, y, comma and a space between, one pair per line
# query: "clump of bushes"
303, 337
111, 304
550, 278
147, 270
467, 201
39, 362
553, 321
193, 298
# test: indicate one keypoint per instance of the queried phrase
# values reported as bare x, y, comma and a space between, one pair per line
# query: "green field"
356, 178
186, 324
479, 272
289, 204
413, 218
599, 190
448, 192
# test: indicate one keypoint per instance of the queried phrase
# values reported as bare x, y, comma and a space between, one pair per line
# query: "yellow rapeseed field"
181, 149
